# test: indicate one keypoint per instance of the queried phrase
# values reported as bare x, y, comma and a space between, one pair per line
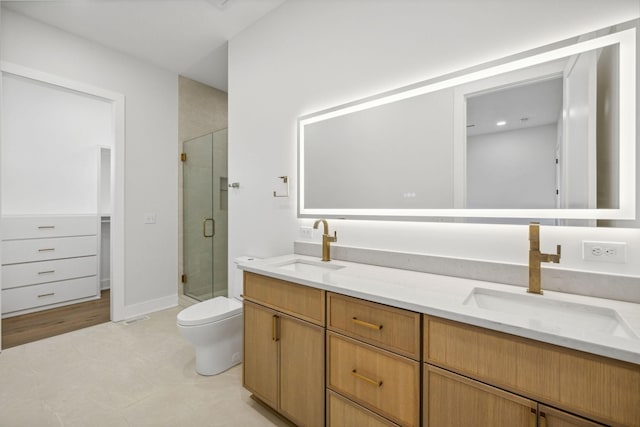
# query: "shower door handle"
204, 227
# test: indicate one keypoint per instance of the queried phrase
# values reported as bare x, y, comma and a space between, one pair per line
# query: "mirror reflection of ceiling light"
501, 123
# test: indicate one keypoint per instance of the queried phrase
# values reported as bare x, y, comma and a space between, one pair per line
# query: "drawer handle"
363, 378
47, 295
46, 250
533, 418
46, 272
366, 324
41, 227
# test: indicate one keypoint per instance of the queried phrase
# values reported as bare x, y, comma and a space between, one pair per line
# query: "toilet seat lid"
209, 311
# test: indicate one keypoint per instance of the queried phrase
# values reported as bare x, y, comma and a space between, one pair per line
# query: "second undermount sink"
552, 315
306, 266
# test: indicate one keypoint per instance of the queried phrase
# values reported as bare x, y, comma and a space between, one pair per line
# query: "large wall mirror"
548, 134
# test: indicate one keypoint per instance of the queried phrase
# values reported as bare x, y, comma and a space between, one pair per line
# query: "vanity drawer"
32, 273
300, 301
391, 328
16, 251
343, 412
596, 387
38, 227
377, 379
28, 297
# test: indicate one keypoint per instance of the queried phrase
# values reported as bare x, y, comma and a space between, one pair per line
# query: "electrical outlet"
604, 251
306, 232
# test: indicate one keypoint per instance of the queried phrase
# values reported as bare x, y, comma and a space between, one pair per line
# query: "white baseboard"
147, 307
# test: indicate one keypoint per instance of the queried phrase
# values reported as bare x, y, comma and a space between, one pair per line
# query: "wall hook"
285, 179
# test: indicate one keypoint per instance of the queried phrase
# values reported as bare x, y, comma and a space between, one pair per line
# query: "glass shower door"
205, 216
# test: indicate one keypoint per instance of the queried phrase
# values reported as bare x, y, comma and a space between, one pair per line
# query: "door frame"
117, 100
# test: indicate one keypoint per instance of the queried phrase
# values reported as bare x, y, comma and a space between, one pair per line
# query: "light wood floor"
36, 326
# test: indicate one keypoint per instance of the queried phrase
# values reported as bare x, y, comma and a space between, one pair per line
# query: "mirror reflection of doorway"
205, 216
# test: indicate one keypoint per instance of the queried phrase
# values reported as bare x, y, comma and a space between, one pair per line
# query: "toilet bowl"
214, 327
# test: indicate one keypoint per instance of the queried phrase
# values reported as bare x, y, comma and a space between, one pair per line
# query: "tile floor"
114, 374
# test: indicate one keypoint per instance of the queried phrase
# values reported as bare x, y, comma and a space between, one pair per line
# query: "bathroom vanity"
284, 334
343, 344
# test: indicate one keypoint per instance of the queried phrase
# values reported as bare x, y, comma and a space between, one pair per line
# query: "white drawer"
36, 227
48, 293
32, 273
16, 251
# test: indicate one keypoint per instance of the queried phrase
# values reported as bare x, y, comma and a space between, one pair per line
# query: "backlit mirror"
547, 134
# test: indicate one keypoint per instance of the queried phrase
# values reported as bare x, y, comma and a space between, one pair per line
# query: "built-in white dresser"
48, 261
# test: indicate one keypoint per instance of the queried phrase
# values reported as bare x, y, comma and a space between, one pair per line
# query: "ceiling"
520, 106
187, 37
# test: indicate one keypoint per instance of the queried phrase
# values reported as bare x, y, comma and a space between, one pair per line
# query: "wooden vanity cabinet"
284, 354
388, 367
598, 388
367, 363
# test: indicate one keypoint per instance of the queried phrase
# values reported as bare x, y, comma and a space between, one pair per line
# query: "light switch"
150, 218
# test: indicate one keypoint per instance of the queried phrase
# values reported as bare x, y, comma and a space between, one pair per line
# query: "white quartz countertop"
556, 318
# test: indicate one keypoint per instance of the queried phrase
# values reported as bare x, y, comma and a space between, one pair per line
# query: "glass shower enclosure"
205, 216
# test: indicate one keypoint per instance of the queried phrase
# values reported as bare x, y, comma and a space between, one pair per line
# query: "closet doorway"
60, 181
205, 216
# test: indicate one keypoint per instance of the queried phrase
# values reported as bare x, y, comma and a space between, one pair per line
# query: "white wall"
50, 148
151, 151
307, 56
512, 169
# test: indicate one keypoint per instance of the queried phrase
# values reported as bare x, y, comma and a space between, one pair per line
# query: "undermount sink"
305, 266
550, 314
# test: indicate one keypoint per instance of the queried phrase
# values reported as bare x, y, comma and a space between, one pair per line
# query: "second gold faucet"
536, 257
326, 239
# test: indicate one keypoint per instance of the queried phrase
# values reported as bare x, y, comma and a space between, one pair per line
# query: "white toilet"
214, 327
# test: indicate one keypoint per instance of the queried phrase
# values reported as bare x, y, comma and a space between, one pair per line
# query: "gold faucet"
326, 239
536, 257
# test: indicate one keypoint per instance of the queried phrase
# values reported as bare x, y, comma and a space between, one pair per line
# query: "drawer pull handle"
366, 324
41, 227
533, 418
46, 272
363, 378
47, 295
46, 250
